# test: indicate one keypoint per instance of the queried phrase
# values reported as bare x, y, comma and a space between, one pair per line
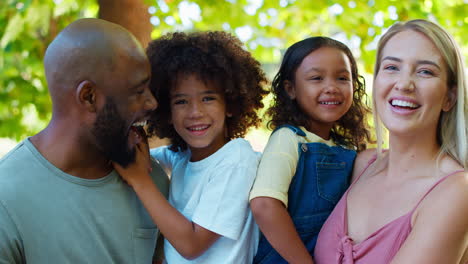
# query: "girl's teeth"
330, 103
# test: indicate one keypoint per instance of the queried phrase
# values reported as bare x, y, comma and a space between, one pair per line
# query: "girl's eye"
141, 91
315, 78
343, 78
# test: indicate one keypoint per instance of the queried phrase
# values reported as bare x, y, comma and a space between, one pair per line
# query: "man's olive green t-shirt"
48, 216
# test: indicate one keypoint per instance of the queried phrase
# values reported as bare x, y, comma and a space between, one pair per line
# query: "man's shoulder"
160, 177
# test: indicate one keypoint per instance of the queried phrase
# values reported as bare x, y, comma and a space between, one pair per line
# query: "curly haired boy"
209, 90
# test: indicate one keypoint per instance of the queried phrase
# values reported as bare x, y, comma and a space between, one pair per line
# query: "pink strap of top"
335, 246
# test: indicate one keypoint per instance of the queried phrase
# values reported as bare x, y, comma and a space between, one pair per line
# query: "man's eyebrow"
143, 82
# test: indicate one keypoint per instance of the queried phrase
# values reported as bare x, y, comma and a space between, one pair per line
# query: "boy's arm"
277, 226
188, 238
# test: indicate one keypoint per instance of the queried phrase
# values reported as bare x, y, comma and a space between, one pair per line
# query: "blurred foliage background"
267, 27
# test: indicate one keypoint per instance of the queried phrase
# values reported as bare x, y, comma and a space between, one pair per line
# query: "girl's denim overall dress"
321, 178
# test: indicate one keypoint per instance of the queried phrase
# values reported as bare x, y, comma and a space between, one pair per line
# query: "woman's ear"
86, 95
289, 88
450, 99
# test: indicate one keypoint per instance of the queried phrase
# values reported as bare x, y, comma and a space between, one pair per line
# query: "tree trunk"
131, 14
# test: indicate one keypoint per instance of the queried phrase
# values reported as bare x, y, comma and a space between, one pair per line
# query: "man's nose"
150, 103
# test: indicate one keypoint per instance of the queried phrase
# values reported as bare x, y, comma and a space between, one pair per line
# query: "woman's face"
410, 88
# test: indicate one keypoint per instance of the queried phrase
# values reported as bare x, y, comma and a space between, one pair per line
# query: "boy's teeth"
402, 103
198, 128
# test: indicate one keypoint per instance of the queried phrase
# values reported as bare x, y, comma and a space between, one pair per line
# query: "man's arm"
10, 242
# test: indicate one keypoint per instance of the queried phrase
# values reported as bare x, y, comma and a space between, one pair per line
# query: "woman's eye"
391, 68
426, 72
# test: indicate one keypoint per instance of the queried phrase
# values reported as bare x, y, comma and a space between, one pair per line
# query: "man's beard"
111, 133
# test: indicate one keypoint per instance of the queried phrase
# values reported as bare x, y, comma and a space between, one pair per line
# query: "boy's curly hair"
212, 56
351, 129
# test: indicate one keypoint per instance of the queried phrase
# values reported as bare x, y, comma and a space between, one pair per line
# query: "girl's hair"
351, 129
452, 132
215, 57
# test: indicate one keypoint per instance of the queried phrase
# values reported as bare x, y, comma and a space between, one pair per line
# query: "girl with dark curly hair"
208, 89
318, 119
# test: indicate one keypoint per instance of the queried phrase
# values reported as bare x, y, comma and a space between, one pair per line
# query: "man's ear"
86, 95
450, 99
289, 88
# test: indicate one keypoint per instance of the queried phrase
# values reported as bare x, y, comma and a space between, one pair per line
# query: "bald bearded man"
60, 199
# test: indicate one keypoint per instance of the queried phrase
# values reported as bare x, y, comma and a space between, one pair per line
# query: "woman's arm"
440, 226
188, 238
277, 226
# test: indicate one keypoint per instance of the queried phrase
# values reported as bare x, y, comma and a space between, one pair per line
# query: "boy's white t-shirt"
213, 193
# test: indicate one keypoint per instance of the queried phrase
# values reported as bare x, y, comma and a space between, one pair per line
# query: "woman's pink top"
334, 246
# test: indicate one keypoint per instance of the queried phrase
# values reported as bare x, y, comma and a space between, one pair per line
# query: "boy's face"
198, 114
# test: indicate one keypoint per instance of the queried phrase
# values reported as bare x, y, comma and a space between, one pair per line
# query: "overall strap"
435, 185
295, 129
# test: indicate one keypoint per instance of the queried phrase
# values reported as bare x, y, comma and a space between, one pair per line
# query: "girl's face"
198, 115
410, 89
323, 88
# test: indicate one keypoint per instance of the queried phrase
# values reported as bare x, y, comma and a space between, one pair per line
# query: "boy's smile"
198, 112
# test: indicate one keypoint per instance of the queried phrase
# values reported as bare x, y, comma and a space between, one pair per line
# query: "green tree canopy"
267, 28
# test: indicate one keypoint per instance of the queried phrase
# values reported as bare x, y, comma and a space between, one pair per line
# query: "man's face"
112, 134
127, 106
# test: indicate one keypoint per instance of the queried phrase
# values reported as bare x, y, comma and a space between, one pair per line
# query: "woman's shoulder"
363, 160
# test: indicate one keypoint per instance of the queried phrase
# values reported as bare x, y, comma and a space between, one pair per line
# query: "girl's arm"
440, 227
188, 238
277, 226
269, 196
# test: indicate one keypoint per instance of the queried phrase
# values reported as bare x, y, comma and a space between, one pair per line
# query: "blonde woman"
409, 204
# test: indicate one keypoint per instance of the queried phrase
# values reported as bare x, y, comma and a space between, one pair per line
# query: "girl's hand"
138, 171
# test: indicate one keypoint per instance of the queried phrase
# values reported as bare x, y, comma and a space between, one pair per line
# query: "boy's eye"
208, 98
179, 102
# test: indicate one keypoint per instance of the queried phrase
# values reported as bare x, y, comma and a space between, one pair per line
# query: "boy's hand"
138, 171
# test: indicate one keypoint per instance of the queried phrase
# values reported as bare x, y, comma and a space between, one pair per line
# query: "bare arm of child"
188, 238
270, 214
440, 226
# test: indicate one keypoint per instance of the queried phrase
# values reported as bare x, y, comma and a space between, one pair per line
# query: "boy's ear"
86, 95
289, 88
450, 99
